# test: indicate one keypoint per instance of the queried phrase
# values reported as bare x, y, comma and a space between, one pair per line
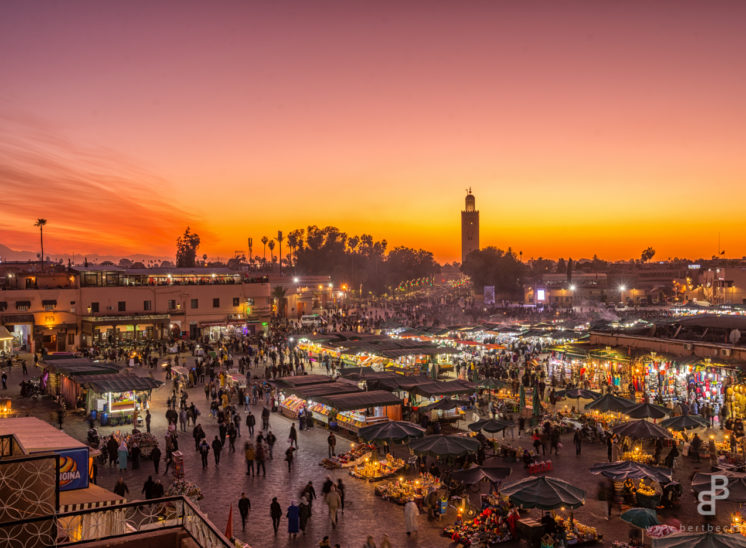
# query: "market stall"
357, 410
355, 456
293, 399
117, 399
372, 469
404, 489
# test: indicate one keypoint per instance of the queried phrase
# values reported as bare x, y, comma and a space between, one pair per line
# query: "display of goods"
145, 440
320, 408
637, 456
577, 532
488, 528
401, 490
351, 457
659, 531
374, 470
185, 488
645, 490
293, 403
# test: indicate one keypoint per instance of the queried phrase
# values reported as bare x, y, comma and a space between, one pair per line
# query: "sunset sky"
582, 127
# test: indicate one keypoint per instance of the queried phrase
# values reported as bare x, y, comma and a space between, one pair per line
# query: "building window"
121, 306
172, 304
23, 305
94, 308
71, 338
147, 305
216, 303
236, 301
195, 303
3, 306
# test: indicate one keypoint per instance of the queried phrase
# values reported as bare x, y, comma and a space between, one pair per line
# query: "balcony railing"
116, 521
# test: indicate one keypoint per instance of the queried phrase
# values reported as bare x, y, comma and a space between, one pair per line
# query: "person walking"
332, 443
578, 441
5, 380
250, 422
271, 439
289, 456
293, 437
333, 501
122, 456
120, 488
260, 458
304, 513
265, 419
275, 512
148, 418
249, 455
310, 493
217, 447
147, 488
135, 453
410, 516
341, 491
155, 455
293, 515
244, 505
204, 450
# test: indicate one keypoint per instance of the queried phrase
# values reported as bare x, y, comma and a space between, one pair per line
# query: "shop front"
357, 410
21, 328
62, 377
97, 330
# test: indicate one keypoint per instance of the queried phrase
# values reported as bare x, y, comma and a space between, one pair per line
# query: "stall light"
295, 280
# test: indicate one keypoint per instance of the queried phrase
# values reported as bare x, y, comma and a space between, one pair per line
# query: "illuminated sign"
540, 295
73, 471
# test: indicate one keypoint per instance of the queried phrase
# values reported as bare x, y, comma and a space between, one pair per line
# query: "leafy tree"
492, 266
279, 294
647, 254
561, 266
264, 242
569, 270
186, 249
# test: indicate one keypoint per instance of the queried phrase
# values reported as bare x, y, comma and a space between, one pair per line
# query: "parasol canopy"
646, 411
490, 425
641, 430
544, 492
700, 540
444, 446
623, 469
444, 404
578, 393
702, 481
391, 430
470, 476
641, 517
684, 422
610, 402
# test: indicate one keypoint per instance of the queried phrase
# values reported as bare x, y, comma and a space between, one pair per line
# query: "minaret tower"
469, 226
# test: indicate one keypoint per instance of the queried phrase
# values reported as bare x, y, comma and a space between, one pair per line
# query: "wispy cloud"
94, 199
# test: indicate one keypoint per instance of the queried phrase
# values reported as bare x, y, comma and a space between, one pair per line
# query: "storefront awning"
442, 388
15, 319
361, 400
302, 380
5, 334
79, 366
119, 383
313, 391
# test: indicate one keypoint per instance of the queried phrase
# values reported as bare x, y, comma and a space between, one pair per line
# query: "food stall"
293, 399
356, 455
66, 376
115, 398
372, 469
357, 410
403, 489
489, 527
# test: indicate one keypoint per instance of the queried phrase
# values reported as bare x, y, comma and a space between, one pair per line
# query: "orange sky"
582, 128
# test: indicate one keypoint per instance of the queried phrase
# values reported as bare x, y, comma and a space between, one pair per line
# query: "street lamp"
572, 287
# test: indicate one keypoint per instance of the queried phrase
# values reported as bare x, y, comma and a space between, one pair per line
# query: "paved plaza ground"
365, 514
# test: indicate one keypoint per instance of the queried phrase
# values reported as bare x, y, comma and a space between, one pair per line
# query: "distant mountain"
8, 254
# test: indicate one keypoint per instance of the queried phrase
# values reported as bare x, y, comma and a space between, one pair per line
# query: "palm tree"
271, 246
279, 294
41, 223
264, 241
279, 241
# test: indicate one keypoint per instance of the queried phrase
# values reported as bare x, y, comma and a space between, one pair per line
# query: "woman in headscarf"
293, 516
122, 455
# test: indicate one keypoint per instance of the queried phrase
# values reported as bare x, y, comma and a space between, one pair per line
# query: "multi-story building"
77, 306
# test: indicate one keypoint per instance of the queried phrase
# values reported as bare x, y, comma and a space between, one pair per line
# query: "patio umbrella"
490, 425
621, 470
684, 422
578, 393
444, 404
521, 397
702, 481
444, 446
536, 404
544, 492
701, 540
470, 476
646, 411
641, 430
641, 517
391, 431
610, 402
